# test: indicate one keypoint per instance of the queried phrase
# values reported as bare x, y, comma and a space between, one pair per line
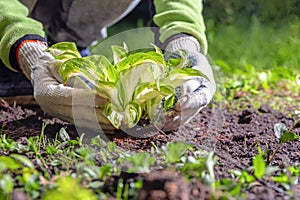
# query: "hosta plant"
136, 85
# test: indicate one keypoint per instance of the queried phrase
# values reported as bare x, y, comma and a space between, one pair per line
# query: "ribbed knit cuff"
185, 42
13, 51
28, 52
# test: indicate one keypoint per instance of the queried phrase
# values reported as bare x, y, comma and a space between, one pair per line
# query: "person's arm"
14, 25
22, 47
181, 27
184, 16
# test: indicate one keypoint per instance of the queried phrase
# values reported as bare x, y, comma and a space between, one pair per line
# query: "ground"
232, 130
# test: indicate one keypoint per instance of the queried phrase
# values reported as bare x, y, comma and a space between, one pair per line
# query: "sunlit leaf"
64, 51
10, 163
140, 58
127, 118
23, 159
119, 52
282, 178
129, 80
50, 149
288, 136
177, 77
259, 165
246, 177
175, 150
170, 102
93, 68
69, 188
146, 91
64, 135
7, 183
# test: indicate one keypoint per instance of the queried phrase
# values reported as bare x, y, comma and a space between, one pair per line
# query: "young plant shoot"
134, 84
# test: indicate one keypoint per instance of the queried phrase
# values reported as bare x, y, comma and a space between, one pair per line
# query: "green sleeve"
180, 16
15, 24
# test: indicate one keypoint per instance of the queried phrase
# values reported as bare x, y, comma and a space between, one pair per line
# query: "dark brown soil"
234, 134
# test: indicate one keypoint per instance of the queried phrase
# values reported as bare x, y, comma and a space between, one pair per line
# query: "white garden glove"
70, 104
193, 95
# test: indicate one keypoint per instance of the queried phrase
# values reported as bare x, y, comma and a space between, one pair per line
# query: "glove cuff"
184, 42
28, 52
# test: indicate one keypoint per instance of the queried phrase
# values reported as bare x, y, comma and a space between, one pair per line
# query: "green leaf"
64, 51
64, 135
152, 105
175, 150
177, 77
105, 171
295, 171
133, 114
170, 102
282, 178
96, 184
140, 162
23, 159
7, 183
107, 90
93, 68
50, 149
103, 69
69, 188
127, 118
288, 136
111, 147
236, 189
112, 115
259, 165
10, 163
246, 177
181, 62
129, 80
119, 53
140, 58
147, 91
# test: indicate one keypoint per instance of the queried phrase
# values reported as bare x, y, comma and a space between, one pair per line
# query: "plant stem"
273, 155
294, 125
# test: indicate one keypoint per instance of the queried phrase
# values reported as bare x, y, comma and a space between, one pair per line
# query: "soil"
233, 132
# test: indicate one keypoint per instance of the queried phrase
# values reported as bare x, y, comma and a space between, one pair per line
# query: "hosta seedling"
284, 135
134, 83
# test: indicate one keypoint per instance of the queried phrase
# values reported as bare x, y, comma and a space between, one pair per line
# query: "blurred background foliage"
230, 11
241, 32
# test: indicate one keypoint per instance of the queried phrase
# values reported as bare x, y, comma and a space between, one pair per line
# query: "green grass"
258, 59
263, 45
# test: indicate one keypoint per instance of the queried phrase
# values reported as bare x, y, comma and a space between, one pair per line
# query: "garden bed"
233, 133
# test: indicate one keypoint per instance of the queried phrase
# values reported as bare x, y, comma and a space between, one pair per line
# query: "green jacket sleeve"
180, 16
15, 24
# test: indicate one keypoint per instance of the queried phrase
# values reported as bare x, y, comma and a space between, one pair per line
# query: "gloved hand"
193, 95
74, 105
